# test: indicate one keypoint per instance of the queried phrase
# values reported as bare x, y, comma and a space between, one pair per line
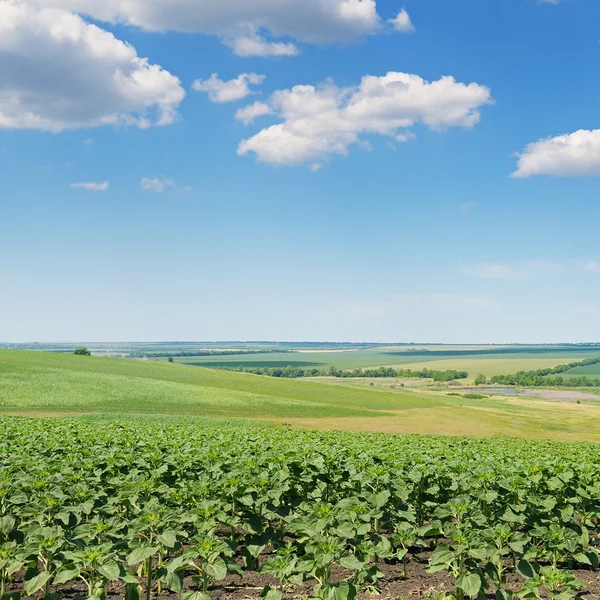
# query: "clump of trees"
449, 375
480, 380
82, 352
389, 372
288, 372
543, 377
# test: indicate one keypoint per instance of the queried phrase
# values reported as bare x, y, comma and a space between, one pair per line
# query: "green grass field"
589, 371
46, 384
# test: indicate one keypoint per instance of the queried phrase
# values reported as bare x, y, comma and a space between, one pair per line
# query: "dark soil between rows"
418, 584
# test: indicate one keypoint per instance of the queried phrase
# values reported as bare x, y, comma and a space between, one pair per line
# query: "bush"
480, 380
82, 352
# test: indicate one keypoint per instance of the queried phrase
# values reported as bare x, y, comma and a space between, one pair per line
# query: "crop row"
144, 507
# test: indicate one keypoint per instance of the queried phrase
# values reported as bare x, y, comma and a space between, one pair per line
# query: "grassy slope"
36, 383
32, 381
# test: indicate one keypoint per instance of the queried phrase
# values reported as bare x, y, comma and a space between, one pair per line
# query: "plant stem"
149, 578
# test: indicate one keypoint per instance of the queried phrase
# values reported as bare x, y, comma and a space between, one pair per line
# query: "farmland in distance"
52, 384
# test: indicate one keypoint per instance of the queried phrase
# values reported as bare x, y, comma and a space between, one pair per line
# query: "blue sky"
376, 205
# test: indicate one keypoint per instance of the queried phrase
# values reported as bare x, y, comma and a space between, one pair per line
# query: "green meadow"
50, 384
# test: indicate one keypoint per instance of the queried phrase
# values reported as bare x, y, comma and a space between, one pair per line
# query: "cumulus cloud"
402, 22
228, 91
160, 184
309, 21
252, 111
58, 72
318, 122
564, 155
92, 186
254, 44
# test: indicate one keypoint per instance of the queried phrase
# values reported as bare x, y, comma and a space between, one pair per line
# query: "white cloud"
496, 272
468, 206
322, 121
58, 72
518, 271
92, 186
228, 91
160, 184
88, 142
592, 266
402, 22
309, 21
564, 155
254, 44
247, 114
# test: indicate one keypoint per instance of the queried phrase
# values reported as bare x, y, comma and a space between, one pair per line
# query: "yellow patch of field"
486, 366
565, 422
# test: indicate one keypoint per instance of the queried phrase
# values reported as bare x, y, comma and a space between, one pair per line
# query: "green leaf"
441, 556
217, 569
383, 548
174, 581
11, 596
469, 584
344, 591
141, 554
351, 562
234, 569
269, 593
128, 577
109, 569
525, 568
133, 591
168, 538
35, 584
580, 557
195, 596
7, 524
66, 573
13, 567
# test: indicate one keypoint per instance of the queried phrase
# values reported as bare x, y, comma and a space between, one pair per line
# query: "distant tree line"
288, 372
292, 372
449, 375
543, 377
188, 353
